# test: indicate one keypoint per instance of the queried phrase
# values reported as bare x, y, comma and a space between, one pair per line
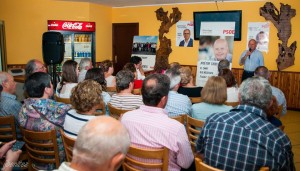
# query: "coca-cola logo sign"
69, 25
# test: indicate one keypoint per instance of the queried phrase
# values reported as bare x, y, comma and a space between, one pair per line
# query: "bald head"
100, 140
221, 49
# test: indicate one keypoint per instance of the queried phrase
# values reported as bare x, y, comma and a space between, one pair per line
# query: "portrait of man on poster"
188, 41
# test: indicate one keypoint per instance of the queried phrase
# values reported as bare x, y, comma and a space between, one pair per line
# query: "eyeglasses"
186, 33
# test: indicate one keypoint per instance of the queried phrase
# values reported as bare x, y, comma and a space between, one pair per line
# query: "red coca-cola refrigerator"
79, 39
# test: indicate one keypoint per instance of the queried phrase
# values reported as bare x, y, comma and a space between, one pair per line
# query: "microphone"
250, 51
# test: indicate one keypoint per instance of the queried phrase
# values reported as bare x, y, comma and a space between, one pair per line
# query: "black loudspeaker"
53, 48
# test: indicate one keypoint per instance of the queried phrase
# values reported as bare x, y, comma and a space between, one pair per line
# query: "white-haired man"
84, 65
178, 104
243, 138
9, 104
101, 145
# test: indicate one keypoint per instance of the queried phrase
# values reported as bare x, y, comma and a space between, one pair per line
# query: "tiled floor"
292, 128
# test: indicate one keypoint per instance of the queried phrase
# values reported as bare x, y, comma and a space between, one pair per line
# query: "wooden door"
122, 43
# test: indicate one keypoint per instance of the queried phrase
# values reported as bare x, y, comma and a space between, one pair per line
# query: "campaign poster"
259, 31
185, 33
215, 43
145, 47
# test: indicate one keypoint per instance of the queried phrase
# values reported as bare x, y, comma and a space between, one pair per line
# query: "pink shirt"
151, 127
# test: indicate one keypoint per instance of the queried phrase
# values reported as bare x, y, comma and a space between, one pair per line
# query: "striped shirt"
74, 121
150, 127
126, 102
243, 139
178, 104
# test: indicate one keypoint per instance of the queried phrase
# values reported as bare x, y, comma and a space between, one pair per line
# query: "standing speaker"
53, 48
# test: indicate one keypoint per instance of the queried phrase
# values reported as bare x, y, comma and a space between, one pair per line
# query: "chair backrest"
180, 118
200, 166
160, 154
115, 112
233, 104
195, 99
41, 148
193, 127
137, 91
7, 128
63, 100
111, 89
68, 145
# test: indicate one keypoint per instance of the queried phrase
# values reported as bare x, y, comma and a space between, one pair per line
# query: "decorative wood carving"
282, 21
162, 54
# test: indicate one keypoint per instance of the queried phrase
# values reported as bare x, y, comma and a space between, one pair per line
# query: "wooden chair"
41, 148
192, 126
63, 100
7, 128
68, 145
116, 112
233, 104
160, 154
137, 91
200, 166
180, 118
195, 99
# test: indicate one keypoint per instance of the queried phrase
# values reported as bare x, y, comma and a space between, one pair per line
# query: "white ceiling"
127, 3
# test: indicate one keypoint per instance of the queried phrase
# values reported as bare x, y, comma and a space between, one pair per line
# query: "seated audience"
243, 138
84, 65
97, 75
137, 83
124, 99
187, 83
9, 104
108, 69
263, 71
11, 157
175, 66
33, 66
85, 99
137, 61
213, 96
39, 113
101, 145
223, 64
178, 104
232, 87
69, 79
150, 126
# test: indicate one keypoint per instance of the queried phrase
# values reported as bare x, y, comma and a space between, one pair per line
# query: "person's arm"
185, 156
11, 159
244, 57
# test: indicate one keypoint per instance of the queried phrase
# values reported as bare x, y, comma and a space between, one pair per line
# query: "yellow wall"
26, 21
149, 25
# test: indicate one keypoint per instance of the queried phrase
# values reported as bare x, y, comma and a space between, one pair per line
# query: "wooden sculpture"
282, 21
162, 54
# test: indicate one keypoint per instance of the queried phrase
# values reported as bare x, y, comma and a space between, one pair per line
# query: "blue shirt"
203, 110
280, 99
243, 139
10, 106
256, 60
178, 104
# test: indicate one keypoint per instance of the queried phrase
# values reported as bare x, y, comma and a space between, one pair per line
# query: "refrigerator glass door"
82, 46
